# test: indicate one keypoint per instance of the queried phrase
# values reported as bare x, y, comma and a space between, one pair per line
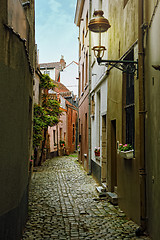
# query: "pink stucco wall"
62, 130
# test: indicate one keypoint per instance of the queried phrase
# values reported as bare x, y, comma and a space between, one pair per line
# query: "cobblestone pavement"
64, 204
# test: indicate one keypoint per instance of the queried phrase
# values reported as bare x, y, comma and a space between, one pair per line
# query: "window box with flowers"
126, 151
97, 151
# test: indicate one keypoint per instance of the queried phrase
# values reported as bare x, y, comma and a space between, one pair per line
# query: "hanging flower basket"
126, 151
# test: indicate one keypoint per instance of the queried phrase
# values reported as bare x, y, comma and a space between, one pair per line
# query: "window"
54, 137
125, 2
98, 117
86, 130
79, 125
130, 109
79, 84
79, 49
87, 21
129, 106
73, 137
47, 72
71, 115
86, 80
83, 77
83, 38
60, 133
92, 105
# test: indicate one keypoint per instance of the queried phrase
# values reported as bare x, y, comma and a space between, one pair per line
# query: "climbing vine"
46, 115
46, 82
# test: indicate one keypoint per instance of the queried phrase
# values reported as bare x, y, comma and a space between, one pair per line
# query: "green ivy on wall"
46, 115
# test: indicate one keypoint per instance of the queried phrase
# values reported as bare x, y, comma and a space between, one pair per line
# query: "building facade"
65, 132
132, 110
53, 68
151, 24
17, 47
58, 132
69, 77
81, 20
123, 108
123, 104
98, 98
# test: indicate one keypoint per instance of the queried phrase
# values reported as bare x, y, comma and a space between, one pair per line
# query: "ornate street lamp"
100, 24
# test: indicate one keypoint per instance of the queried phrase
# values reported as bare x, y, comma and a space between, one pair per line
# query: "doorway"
81, 152
104, 150
113, 157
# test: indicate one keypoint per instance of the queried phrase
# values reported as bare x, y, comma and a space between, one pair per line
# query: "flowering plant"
78, 147
62, 143
125, 147
97, 150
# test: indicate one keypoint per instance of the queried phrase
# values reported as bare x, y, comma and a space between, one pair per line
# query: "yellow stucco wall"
122, 35
152, 103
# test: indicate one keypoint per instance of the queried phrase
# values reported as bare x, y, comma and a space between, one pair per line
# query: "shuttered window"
130, 109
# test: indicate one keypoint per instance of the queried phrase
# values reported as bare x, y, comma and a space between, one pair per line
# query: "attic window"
125, 2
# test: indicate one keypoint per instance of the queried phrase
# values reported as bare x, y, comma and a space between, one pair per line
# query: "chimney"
62, 62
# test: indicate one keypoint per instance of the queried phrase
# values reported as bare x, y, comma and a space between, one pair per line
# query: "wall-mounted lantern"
99, 24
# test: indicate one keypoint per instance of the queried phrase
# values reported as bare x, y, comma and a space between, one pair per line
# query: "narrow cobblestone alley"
64, 204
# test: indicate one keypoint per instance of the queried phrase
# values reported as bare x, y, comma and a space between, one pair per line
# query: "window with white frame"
47, 72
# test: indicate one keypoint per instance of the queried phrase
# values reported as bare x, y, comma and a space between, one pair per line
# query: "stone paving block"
64, 204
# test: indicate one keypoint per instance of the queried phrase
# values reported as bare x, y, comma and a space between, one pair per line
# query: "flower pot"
126, 154
97, 154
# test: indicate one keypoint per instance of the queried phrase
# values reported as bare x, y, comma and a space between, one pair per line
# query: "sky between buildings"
56, 33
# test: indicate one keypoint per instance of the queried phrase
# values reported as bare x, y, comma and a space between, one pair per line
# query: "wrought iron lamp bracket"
127, 66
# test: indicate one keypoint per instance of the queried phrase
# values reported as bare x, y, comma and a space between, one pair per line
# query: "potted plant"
62, 143
125, 151
97, 151
78, 147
